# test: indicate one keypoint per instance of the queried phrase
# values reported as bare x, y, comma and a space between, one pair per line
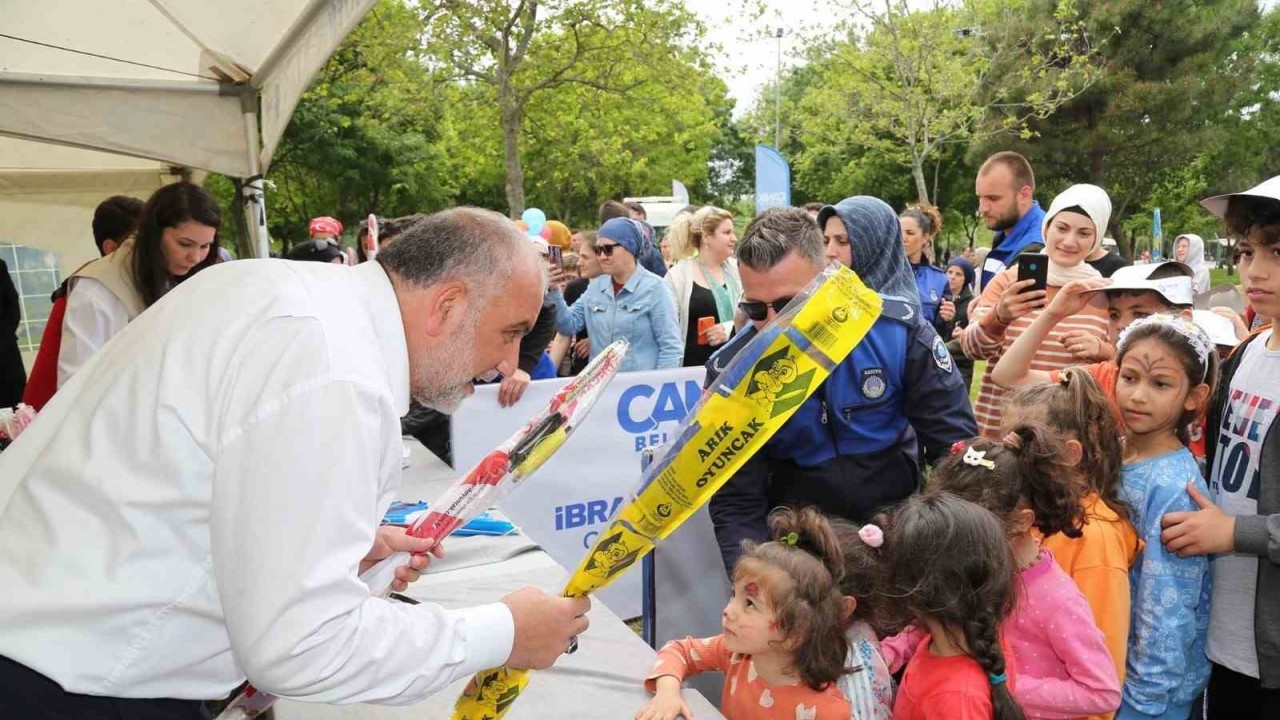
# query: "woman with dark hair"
177, 237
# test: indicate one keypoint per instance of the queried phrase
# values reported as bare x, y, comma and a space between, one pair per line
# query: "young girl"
1065, 670
784, 646
1167, 366
960, 671
868, 684
1100, 559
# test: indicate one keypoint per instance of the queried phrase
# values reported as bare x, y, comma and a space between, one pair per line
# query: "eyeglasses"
604, 250
757, 310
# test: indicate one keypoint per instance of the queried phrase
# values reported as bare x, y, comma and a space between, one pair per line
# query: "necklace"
1023, 567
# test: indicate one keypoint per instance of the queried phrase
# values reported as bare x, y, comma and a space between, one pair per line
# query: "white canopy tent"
100, 98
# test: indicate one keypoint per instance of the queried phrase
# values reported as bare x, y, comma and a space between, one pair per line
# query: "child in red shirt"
960, 671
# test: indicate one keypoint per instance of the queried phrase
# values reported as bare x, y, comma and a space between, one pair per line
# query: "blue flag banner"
1157, 233
773, 179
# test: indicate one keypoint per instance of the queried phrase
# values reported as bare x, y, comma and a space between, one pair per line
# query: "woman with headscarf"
1073, 229
857, 444
1189, 249
960, 277
625, 302
705, 285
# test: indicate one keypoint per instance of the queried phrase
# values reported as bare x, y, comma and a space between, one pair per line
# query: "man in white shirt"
195, 505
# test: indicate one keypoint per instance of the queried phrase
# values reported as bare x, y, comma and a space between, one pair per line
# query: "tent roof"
165, 80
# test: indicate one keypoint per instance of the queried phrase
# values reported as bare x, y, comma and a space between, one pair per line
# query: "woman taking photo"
177, 237
1073, 228
625, 302
705, 284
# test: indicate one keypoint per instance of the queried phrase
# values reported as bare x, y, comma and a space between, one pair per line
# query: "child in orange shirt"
948, 563
784, 644
1099, 560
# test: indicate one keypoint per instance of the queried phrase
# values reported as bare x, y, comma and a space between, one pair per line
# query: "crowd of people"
1096, 535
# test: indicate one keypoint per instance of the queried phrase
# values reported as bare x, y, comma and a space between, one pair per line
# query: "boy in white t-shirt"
1240, 525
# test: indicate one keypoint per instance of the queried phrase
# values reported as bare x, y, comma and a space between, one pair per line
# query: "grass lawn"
1218, 276
979, 366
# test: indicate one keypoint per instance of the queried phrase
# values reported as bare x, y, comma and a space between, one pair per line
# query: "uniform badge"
941, 357
873, 383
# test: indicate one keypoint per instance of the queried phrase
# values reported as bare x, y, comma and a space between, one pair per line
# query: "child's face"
750, 627
1153, 389
1260, 271
1124, 308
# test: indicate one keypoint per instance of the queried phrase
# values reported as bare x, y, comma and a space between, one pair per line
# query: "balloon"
545, 234
523, 227
534, 219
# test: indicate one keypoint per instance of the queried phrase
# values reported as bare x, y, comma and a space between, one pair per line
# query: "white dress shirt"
192, 507
93, 316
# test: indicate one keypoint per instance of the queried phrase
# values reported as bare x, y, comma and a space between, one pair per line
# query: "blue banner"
773, 179
1157, 232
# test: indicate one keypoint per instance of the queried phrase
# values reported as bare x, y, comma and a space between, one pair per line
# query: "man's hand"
582, 348
390, 540
947, 310
1074, 297
1207, 531
512, 388
1017, 300
544, 626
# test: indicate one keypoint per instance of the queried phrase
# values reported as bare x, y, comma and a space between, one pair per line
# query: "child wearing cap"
1239, 525
1132, 293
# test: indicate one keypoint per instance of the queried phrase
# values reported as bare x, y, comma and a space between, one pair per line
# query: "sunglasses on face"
757, 310
604, 250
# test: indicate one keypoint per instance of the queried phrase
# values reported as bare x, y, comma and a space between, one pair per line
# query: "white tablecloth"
604, 679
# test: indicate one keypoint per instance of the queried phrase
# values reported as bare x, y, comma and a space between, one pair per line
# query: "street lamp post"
777, 97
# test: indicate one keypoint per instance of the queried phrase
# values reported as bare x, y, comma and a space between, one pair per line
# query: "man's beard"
444, 381
1007, 221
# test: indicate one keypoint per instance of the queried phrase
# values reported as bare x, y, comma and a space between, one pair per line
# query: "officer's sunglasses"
757, 310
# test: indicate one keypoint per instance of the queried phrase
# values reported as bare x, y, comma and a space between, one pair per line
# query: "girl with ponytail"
1025, 480
1099, 560
949, 567
784, 646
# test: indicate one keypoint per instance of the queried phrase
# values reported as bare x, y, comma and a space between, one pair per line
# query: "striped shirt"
987, 338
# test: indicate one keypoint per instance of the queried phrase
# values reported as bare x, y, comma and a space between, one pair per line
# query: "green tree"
903, 84
521, 51
1151, 128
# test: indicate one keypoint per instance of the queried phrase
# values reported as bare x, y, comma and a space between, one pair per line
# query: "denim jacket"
642, 312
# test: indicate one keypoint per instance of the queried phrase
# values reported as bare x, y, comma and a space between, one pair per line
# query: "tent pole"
255, 207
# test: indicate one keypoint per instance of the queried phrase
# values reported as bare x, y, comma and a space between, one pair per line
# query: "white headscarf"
1097, 205
1195, 259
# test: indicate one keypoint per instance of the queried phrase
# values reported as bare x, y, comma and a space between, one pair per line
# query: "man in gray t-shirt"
1234, 481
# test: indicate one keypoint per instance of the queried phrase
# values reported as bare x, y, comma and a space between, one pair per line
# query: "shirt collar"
388, 327
634, 280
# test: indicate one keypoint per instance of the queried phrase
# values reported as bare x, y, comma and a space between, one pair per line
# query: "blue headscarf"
966, 267
626, 232
875, 239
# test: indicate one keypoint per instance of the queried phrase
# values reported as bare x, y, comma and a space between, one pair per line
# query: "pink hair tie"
871, 535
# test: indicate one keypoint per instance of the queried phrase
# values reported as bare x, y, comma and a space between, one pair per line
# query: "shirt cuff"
1251, 535
490, 632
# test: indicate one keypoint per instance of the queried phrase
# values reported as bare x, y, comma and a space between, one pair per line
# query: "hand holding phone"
555, 256
705, 324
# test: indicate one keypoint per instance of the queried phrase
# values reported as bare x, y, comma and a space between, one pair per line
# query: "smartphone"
556, 256
705, 324
1034, 266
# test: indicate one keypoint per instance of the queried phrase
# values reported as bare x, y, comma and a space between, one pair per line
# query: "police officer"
920, 225
854, 446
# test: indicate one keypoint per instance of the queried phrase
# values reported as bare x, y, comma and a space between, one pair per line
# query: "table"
602, 680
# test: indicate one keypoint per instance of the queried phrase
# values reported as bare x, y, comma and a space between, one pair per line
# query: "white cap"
1171, 279
1269, 189
1219, 329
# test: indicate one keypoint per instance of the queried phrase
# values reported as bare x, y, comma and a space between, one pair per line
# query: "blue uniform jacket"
854, 446
934, 286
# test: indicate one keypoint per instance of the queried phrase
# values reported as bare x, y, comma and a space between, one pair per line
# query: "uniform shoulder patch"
941, 356
901, 311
